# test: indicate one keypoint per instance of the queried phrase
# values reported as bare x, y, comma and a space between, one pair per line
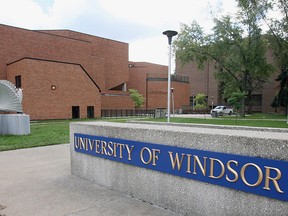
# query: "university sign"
250, 174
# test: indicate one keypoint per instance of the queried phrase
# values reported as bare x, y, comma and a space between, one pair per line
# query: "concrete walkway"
37, 181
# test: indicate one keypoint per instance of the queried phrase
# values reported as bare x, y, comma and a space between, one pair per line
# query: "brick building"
48, 95
151, 81
66, 74
60, 66
203, 81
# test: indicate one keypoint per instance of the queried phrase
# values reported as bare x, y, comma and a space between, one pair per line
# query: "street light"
193, 103
172, 91
169, 34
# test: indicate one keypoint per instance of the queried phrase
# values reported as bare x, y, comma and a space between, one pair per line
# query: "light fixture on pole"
169, 34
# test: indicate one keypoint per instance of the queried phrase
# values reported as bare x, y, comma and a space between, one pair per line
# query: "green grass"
270, 116
230, 121
57, 131
42, 133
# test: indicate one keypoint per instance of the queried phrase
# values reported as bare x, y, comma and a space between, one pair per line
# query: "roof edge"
62, 62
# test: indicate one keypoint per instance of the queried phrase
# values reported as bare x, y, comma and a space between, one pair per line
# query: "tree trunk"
249, 98
243, 108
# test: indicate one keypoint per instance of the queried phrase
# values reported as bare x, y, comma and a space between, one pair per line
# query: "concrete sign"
260, 176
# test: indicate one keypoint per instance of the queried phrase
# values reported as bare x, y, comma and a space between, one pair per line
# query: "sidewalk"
37, 181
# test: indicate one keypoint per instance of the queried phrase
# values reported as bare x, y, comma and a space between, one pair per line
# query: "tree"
282, 96
275, 103
200, 102
136, 97
236, 47
278, 37
235, 100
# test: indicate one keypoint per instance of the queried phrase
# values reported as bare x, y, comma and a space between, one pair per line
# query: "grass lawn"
42, 133
57, 132
273, 123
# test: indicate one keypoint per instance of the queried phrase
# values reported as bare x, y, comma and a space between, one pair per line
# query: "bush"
200, 107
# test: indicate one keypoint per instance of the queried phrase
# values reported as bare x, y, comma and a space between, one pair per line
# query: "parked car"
222, 110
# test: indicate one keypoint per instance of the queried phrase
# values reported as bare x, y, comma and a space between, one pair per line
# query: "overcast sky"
137, 22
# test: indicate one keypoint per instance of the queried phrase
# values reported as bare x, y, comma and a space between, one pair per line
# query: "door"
75, 112
90, 111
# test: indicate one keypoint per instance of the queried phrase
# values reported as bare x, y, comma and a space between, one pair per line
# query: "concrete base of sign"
182, 195
14, 124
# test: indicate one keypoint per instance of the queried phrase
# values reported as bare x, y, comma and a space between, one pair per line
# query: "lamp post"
169, 34
212, 102
193, 103
286, 96
172, 91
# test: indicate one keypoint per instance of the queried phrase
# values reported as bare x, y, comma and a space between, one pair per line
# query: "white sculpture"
10, 97
11, 101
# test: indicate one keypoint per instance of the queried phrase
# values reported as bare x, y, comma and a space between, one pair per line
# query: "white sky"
137, 22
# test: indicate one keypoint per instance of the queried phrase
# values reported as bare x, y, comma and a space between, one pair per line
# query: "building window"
90, 111
18, 81
256, 100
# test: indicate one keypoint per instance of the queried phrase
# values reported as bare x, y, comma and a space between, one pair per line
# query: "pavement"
38, 181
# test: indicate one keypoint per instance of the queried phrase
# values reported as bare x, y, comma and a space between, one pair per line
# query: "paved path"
37, 181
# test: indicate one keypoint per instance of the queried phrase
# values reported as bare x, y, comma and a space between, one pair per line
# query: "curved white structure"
10, 97
11, 101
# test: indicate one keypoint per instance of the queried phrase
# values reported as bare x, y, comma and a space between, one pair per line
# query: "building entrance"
90, 111
75, 112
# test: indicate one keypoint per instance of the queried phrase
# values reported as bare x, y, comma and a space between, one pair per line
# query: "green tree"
282, 96
236, 99
136, 97
200, 100
236, 47
275, 103
278, 41
278, 38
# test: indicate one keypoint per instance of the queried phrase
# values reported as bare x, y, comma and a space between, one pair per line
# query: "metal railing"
127, 113
163, 77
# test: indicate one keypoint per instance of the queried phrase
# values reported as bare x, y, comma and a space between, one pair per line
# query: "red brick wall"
157, 94
110, 55
113, 100
270, 89
203, 81
73, 88
105, 60
138, 72
155, 91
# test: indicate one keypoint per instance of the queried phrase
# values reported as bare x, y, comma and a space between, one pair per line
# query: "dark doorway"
18, 81
75, 112
90, 111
